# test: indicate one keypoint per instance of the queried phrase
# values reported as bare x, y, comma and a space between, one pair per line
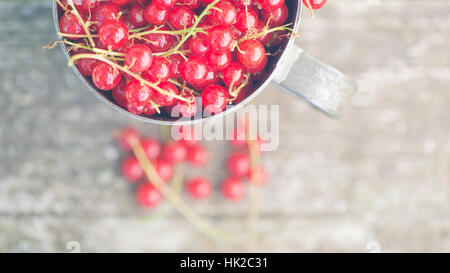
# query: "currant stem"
311, 10
192, 29
123, 69
172, 196
255, 163
266, 31
86, 29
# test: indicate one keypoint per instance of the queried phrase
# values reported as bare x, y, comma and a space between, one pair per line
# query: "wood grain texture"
379, 174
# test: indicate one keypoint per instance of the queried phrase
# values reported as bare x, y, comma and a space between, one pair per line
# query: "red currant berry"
118, 93
181, 17
270, 4
118, 2
214, 98
233, 189
151, 147
113, 34
277, 16
131, 169
190, 4
233, 74
199, 44
147, 196
252, 56
238, 164
150, 109
159, 42
106, 13
159, 71
242, 3
219, 60
69, 24
164, 169
224, 13
166, 3
220, 38
197, 155
183, 108
156, 14
246, 20
315, 4
137, 93
176, 62
139, 58
125, 136
86, 66
137, 17
105, 77
175, 152
194, 70
199, 188
165, 100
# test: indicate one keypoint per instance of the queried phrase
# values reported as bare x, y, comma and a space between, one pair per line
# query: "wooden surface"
377, 179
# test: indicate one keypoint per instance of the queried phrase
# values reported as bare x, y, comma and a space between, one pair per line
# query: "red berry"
194, 70
131, 169
151, 147
197, 155
183, 108
252, 56
69, 24
246, 20
199, 44
86, 66
164, 169
224, 13
190, 4
176, 62
233, 74
220, 38
166, 3
175, 152
148, 196
199, 188
238, 164
181, 17
113, 34
219, 61
137, 94
106, 12
233, 189
165, 100
156, 14
159, 71
277, 16
118, 2
214, 98
105, 77
137, 17
270, 4
139, 58
159, 42
118, 93
315, 4
125, 136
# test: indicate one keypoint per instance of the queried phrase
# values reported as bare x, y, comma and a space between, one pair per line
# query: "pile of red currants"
173, 57
166, 157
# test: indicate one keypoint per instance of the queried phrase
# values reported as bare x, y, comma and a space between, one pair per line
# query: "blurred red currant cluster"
158, 55
166, 157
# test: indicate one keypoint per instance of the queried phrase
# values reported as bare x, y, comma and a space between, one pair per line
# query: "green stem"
74, 58
193, 28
